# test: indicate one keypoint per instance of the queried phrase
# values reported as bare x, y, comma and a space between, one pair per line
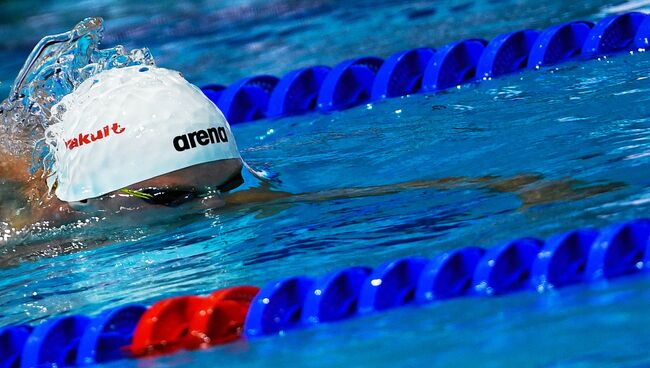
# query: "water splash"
56, 66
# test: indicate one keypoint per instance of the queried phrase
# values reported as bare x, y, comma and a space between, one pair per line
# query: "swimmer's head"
129, 125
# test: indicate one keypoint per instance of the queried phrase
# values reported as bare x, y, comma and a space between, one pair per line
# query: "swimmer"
141, 138
130, 138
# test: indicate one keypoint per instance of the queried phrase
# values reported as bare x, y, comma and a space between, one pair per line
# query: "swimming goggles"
176, 196
169, 197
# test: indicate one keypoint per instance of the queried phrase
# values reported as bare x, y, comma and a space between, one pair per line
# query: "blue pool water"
580, 130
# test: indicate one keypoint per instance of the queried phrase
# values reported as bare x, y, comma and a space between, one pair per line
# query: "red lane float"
192, 322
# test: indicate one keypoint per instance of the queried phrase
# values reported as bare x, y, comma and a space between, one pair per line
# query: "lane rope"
426, 70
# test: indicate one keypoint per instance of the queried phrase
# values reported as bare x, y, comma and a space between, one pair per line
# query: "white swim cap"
131, 124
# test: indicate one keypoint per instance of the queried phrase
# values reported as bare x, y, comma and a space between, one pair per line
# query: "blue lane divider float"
12, 341
563, 260
612, 34
297, 91
54, 342
75, 340
559, 43
106, 335
402, 73
391, 285
334, 296
247, 99
448, 275
348, 83
506, 53
620, 250
277, 307
452, 65
361, 80
506, 267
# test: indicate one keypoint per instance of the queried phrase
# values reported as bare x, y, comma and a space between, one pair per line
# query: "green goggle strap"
136, 193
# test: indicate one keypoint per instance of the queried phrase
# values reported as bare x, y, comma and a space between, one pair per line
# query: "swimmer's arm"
266, 194
531, 189
23, 197
14, 206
